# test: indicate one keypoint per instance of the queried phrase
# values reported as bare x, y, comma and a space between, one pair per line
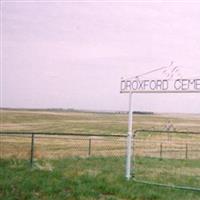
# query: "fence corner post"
161, 151
32, 149
89, 147
186, 151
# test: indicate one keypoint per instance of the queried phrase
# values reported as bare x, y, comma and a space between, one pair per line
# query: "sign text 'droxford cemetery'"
160, 86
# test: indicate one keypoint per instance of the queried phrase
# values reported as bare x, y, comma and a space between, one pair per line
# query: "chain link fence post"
90, 147
32, 149
186, 151
161, 151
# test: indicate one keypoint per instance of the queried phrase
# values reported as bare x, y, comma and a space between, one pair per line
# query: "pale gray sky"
72, 55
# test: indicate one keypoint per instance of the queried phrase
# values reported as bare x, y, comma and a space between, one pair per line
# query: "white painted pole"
129, 140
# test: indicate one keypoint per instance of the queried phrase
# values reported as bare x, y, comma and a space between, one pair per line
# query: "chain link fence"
33, 146
168, 158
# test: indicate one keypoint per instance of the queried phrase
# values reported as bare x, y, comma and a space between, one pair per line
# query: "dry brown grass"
65, 146
173, 145
40, 121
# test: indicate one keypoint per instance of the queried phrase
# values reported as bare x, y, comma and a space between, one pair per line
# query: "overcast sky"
73, 55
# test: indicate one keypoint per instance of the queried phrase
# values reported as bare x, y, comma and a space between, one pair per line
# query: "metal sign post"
141, 84
129, 140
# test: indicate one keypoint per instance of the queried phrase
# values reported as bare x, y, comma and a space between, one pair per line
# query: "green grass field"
89, 178
63, 170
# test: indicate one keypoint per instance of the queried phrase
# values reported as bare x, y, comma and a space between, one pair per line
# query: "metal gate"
167, 158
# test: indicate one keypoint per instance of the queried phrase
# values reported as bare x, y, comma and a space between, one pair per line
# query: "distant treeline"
77, 110
143, 113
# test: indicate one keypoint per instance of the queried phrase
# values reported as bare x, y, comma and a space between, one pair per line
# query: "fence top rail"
98, 135
64, 134
161, 131
178, 143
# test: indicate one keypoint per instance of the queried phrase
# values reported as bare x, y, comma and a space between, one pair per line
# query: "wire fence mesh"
171, 158
56, 146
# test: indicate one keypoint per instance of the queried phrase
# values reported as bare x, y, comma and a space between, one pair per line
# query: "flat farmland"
83, 122
92, 167
173, 145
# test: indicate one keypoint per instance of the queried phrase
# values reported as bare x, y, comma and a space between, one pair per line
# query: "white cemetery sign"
170, 79
160, 85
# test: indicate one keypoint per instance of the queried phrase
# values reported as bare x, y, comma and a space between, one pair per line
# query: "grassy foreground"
93, 178
85, 179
